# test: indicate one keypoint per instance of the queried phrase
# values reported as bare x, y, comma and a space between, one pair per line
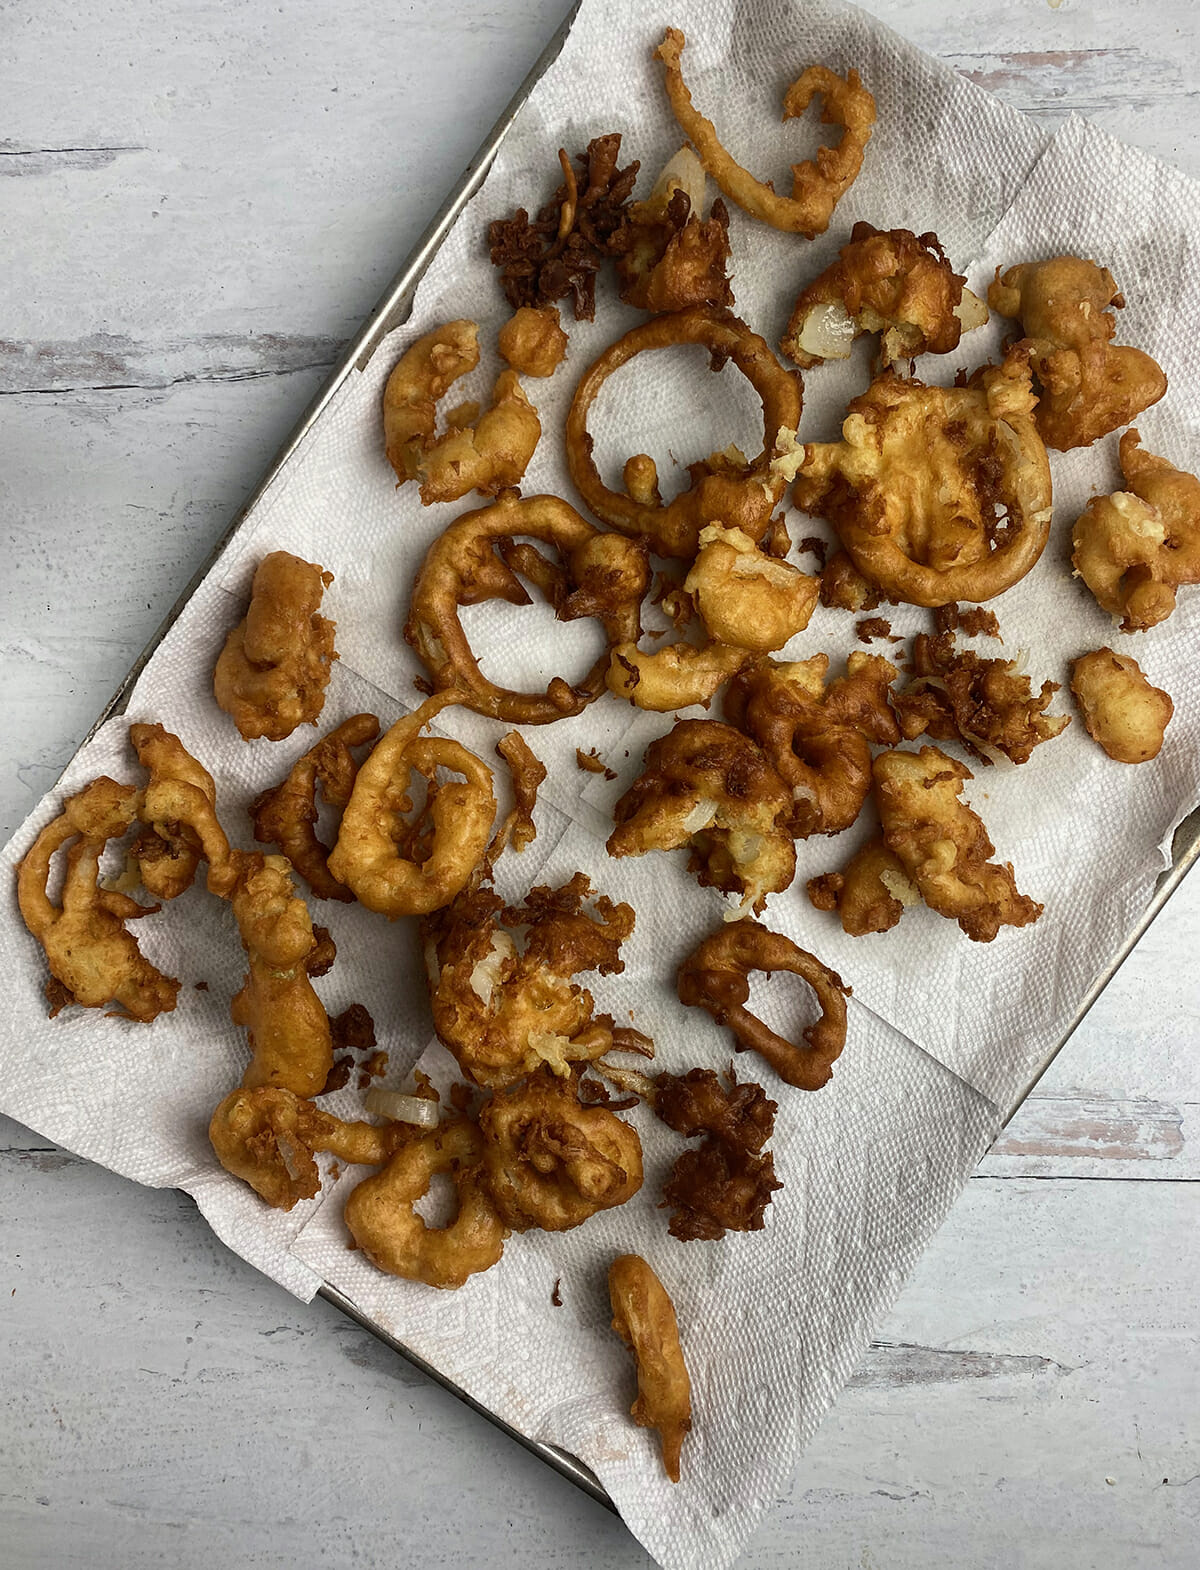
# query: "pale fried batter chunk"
672, 678
1120, 709
285, 1020
286, 815
943, 846
725, 1183
1135, 548
705, 785
1089, 386
988, 705
93, 959
668, 256
478, 452
644, 1318
891, 282
744, 597
871, 892
549, 1161
532, 341
272, 673
817, 737
504, 1009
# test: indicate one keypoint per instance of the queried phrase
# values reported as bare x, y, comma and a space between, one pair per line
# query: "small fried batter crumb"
593, 763
814, 545
556, 1296
976, 621
872, 627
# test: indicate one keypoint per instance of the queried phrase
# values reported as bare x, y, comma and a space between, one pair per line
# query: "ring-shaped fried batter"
714, 978
603, 576
707, 786
1135, 548
93, 959
549, 1161
644, 1318
738, 494
382, 1219
817, 184
376, 850
915, 484
286, 814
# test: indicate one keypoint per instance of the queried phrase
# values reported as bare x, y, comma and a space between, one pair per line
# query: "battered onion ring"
170, 849
871, 892
549, 1161
714, 979
740, 495
368, 857
644, 1318
384, 1224
913, 486
1120, 708
817, 184
605, 577
746, 598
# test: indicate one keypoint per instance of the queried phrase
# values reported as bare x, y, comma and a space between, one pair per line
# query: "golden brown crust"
528, 773
169, 850
272, 673
644, 1318
670, 258
532, 341
817, 184
740, 494
870, 893
726, 1182
602, 576
1119, 707
744, 597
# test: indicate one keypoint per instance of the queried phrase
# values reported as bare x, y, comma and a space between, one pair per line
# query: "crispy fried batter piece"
706, 785
943, 846
286, 815
726, 1182
870, 894
817, 184
169, 849
272, 673
549, 1161
528, 773
817, 737
844, 588
93, 959
284, 1018
1135, 548
955, 695
715, 978
1088, 386
481, 452
593, 763
644, 1318
402, 868
267, 1137
668, 257
976, 621
504, 1010
671, 678
937, 493
725, 486
561, 250
1120, 709
383, 1221
532, 341
891, 282
745, 597
475, 559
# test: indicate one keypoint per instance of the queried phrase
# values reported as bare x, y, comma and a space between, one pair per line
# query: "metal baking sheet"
391, 312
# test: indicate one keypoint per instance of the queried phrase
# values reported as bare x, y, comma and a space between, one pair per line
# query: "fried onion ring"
480, 452
914, 486
644, 1318
745, 597
739, 494
871, 892
169, 850
714, 978
817, 184
707, 786
549, 1161
1135, 548
604, 576
93, 959
286, 815
1120, 708
668, 257
382, 1219
376, 851
943, 845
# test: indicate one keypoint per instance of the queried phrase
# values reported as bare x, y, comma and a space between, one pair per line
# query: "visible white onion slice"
630, 1080
486, 975
699, 817
828, 331
398, 1108
900, 887
971, 311
683, 172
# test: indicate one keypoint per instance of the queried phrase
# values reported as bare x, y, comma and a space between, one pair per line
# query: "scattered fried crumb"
872, 627
335, 1172
593, 763
425, 1087
556, 1296
339, 1074
353, 1030
202, 986
423, 685
814, 545
976, 621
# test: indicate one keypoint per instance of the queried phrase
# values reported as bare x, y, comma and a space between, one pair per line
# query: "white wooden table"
198, 203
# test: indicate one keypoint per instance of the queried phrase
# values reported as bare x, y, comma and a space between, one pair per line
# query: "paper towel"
942, 1032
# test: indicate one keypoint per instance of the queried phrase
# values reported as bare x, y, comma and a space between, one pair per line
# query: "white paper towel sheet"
943, 1034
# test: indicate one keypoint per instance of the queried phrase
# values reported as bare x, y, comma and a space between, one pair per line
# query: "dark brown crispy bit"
726, 1182
872, 627
976, 621
814, 545
593, 763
